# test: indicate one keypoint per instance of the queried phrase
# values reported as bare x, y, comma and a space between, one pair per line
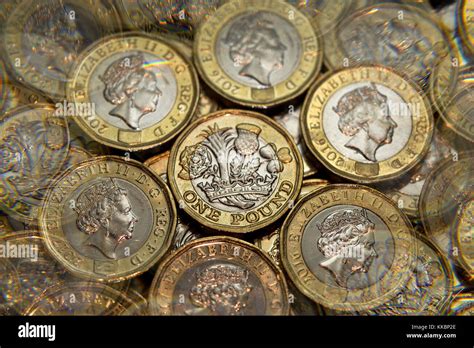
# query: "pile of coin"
236, 157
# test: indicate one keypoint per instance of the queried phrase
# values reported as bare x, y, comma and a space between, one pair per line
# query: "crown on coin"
341, 218
121, 68
358, 96
95, 193
223, 274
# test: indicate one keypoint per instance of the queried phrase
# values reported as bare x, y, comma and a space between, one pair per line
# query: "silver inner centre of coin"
219, 288
133, 90
348, 246
234, 169
107, 219
368, 122
258, 49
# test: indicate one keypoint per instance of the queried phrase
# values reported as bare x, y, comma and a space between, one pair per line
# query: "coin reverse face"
218, 276
342, 245
111, 217
143, 91
34, 146
367, 124
258, 53
235, 171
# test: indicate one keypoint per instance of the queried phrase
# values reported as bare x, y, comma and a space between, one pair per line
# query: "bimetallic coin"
367, 124
429, 287
12, 95
458, 112
42, 39
218, 276
171, 16
235, 171
108, 218
342, 247
406, 193
403, 37
444, 192
258, 53
463, 238
465, 23
462, 304
290, 120
81, 298
26, 270
33, 148
143, 90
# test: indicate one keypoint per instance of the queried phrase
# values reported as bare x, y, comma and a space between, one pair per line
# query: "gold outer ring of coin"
318, 143
105, 18
110, 269
112, 301
260, 126
462, 304
215, 76
181, 111
335, 296
462, 26
275, 286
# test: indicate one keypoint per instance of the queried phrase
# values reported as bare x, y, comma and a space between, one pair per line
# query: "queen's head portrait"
105, 214
365, 117
256, 47
347, 243
220, 290
133, 89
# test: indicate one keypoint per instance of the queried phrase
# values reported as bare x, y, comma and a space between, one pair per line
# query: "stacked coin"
238, 157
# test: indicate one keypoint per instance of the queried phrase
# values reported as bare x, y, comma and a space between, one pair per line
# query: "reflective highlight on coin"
235, 171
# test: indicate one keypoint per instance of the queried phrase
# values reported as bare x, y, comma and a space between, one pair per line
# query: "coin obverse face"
367, 124
235, 171
258, 53
342, 246
143, 91
218, 276
111, 217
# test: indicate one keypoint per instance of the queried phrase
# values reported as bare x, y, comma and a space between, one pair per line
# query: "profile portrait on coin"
365, 117
255, 45
220, 290
347, 243
132, 88
105, 214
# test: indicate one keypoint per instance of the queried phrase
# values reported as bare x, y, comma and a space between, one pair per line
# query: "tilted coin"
258, 53
465, 23
159, 164
367, 124
403, 37
445, 190
310, 185
463, 238
81, 298
235, 171
342, 246
458, 112
290, 120
177, 17
462, 304
141, 90
108, 218
406, 193
26, 270
33, 147
42, 39
218, 276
